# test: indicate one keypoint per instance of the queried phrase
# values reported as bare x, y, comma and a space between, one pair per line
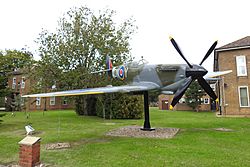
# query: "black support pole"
146, 126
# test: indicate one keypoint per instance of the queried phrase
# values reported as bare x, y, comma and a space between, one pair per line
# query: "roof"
241, 43
16, 72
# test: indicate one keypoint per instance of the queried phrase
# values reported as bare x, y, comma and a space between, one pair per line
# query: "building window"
38, 101
22, 101
23, 83
213, 87
53, 87
65, 101
182, 100
52, 101
206, 101
243, 96
14, 83
241, 65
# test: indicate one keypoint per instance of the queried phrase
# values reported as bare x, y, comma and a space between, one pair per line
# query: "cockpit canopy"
137, 64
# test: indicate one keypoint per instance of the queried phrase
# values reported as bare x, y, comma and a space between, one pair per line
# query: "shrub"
120, 106
1, 115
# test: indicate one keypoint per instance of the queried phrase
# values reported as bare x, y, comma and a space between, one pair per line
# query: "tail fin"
109, 66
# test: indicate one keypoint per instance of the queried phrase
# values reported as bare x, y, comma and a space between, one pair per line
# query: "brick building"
233, 88
20, 85
165, 101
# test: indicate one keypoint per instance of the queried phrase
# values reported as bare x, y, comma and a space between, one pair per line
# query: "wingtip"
171, 107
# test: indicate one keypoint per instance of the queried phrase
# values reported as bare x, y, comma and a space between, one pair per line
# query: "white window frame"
213, 87
23, 83
14, 83
238, 65
247, 96
52, 101
22, 101
208, 100
182, 100
38, 101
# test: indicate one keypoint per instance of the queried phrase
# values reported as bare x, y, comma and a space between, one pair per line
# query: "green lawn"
197, 144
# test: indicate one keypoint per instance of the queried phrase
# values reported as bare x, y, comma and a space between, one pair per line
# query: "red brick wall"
181, 106
29, 101
230, 96
18, 80
164, 97
58, 104
29, 155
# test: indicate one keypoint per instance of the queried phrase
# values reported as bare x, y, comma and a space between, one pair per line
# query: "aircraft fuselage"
167, 77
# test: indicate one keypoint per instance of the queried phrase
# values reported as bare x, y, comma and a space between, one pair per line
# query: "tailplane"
108, 69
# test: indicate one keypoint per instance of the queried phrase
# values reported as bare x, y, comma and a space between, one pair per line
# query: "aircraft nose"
196, 71
201, 70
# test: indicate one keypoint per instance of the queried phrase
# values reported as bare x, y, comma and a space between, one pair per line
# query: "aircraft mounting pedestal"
146, 126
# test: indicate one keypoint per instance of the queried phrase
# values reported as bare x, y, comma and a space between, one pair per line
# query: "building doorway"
164, 104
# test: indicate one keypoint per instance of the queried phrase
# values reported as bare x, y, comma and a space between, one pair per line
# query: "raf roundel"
122, 72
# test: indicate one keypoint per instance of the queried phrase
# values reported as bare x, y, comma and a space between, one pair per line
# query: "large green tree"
193, 95
10, 60
79, 46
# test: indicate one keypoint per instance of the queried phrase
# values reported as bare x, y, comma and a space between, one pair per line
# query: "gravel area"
224, 129
135, 131
15, 165
54, 146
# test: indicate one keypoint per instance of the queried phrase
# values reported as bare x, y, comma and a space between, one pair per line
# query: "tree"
193, 95
119, 106
11, 60
153, 99
80, 46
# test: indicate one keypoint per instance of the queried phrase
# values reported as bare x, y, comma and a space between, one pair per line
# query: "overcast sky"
195, 24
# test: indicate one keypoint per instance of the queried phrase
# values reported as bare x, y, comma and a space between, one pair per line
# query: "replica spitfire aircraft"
142, 78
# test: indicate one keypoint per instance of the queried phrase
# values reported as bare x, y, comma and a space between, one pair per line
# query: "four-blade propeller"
193, 72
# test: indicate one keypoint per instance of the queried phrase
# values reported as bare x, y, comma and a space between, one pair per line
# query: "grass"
197, 144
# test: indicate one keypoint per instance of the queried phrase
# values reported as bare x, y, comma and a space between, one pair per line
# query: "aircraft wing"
100, 90
213, 75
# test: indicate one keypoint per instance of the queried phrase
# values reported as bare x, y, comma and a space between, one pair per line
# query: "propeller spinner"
193, 72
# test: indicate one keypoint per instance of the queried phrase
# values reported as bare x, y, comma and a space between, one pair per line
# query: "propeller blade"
180, 92
179, 51
207, 88
209, 51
